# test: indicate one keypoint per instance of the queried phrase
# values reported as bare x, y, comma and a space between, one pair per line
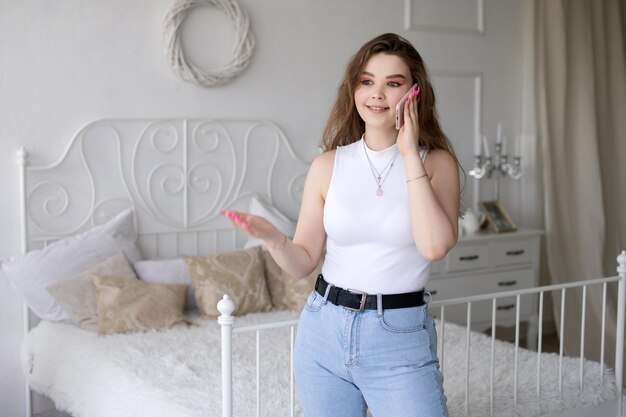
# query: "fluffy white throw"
177, 373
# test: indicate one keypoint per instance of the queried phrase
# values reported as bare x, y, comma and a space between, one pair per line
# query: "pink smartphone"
401, 103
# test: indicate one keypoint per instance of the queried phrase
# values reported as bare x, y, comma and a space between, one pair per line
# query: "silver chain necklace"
379, 177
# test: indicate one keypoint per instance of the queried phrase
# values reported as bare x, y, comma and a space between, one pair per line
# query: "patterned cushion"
126, 305
287, 292
77, 296
239, 274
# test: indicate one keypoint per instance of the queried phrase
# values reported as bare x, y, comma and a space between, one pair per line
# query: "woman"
385, 202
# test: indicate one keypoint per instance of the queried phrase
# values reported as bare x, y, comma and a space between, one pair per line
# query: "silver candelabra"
498, 165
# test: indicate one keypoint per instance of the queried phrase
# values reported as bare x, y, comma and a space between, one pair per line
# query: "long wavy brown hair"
344, 124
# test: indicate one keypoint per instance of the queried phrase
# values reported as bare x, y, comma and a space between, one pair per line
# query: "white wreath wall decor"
242, 48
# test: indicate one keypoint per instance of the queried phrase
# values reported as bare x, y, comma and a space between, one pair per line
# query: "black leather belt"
359, 301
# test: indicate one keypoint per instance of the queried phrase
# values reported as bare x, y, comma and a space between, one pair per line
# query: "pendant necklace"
379, 177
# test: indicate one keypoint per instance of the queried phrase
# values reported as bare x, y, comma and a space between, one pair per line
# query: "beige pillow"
287, 292
132, 305
77, 296
239, 274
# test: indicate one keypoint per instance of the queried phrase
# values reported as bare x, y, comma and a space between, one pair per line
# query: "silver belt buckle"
361, 303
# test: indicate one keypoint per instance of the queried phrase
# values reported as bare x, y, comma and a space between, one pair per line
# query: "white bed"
177, 175
175, 372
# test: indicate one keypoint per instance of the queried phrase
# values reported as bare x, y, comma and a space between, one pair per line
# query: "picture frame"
497, 216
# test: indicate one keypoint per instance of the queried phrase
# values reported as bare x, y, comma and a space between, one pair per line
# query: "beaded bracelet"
279, 246
417, 178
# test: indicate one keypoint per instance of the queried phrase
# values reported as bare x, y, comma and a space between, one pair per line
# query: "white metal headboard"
176, 173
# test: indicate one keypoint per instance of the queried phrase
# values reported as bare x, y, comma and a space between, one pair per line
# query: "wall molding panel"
460, 93
447, 16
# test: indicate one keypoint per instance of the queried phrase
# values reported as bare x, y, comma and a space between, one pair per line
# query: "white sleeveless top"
369, 245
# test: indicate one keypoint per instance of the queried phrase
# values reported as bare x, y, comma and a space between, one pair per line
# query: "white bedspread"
177, 373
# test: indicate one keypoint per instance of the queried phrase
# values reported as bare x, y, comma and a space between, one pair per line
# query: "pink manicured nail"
245, 225
408, 100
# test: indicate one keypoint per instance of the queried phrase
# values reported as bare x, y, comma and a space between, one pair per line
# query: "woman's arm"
302, 255
434, 202
433, 187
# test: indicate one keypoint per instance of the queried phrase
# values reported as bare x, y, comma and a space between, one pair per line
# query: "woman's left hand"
409, 133
255, 226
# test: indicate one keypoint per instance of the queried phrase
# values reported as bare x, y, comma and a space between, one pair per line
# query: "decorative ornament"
379, 177
242, 48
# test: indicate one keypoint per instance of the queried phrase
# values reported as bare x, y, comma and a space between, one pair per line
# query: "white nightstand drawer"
514, 252
509, 281
467, 257
505, 307
447, 288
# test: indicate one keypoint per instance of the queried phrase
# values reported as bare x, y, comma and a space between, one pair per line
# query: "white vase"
471, 222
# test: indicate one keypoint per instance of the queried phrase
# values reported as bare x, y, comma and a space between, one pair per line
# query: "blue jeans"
347, 361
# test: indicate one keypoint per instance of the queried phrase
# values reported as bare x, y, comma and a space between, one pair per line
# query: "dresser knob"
468, 258
506, 307
515, 252
507, 283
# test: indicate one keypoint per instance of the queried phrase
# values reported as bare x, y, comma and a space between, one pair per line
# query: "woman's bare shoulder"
439, 159
321, 172
323, 163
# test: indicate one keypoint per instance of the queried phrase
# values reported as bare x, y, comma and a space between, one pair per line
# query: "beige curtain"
578, 128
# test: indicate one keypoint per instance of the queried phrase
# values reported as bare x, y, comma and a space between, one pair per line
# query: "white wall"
64, 63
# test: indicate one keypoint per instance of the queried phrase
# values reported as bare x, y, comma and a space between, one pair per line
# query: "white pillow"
167, 271
260, 207
31, 273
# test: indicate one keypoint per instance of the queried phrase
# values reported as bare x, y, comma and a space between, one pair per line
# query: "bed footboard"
226, 320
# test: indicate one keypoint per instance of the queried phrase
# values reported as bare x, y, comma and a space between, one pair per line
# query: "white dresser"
486, 263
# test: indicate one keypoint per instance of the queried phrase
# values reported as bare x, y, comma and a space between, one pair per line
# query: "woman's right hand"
255, 226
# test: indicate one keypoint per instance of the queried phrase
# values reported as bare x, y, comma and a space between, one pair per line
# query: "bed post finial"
621, 263
22, 156
226, 306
